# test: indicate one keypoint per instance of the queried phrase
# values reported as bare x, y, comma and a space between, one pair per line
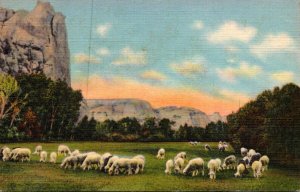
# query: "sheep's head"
211, 174
111, 170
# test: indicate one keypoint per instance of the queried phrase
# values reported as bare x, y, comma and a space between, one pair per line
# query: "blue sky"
230, 50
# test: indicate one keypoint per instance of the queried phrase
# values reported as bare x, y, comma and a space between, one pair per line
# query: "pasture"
36, 176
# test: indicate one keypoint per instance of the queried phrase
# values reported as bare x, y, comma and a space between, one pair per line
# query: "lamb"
169, 166
181, 155
53, 157
194, 166
43, 156
5, 152
229, 162
207, 147
63, 149
104, 160
21, 154
178, 165
265, 162
91, 159
221, 147
110, 162
251, 152
38, 150
121, 163
212, 166
244, 152
161, 153
69, 162
240, 170
75, 152
256, 168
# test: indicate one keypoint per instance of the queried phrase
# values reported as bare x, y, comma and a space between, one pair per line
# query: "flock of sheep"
251, 158
114, 165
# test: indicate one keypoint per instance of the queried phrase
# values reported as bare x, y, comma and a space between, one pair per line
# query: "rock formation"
34, 42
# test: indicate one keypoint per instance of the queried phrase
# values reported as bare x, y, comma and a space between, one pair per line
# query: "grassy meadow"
35, 176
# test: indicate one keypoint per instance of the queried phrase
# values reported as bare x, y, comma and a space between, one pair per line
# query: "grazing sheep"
194, 166
212, 166
219, 163
244, 152
121, 163
137, 164
256, 168
75, 152
91, 159
240, 170
43, 156
221, 147
53, 157
207, 147
178, 165
5, 153
254, 157
38, 150
265, 162
21, 154
161, 153
110, 162
69, 162
169, 166
251, 152
181, 155
194, 143
246, 159
229, 162
104, 160
63, 149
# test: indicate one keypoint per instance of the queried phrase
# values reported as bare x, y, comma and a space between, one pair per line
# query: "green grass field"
35, 176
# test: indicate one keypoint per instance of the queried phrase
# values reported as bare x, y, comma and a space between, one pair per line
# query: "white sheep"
219, 163
265, 162
6, 153
21, 154
181, 155
178, 165
161, 153
110, 162
240, 170
43, 156
256, 168
38, 150
69, 162
207, 147
221, 147
91, 159
229, 162
169, 166
53, 157
137, 163
121, 163
104, 160
63, 149
75, 152
244, 151
212, 166
194, 166
250, 153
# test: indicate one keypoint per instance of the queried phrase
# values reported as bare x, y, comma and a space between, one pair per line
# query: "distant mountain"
116, 109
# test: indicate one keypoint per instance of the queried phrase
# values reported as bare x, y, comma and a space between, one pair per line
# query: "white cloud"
153, 75
230, 74
82, 58
283, 76
233, 95
102, 30
232, 49
198, 25
189, 67
131, 57
273, 44
232, 31
103, 51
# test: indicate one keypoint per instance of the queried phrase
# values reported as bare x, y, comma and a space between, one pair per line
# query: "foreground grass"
35, 176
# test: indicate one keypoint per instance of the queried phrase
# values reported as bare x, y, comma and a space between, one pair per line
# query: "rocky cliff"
116, 109
34, 42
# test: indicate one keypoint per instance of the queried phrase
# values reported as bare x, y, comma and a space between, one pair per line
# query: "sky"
207, 54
